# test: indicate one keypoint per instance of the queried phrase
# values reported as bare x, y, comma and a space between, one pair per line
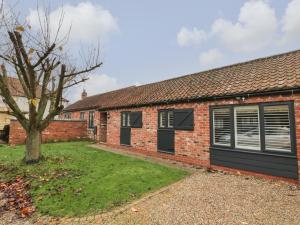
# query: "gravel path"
206, 198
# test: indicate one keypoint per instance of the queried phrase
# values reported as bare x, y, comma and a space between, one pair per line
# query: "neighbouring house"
18, 94
243, 117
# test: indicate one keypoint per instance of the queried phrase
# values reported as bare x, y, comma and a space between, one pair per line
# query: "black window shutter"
136, 119
184, 119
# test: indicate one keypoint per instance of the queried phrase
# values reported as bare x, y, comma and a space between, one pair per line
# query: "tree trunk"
33, 146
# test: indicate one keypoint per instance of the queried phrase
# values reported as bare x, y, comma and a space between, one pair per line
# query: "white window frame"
214, 129
290, 136
90, 121
162, 114
123, 119
128, 119
235, 128
169, 125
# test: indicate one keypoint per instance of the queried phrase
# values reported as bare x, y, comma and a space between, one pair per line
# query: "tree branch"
43, 57
84, 71
29, 68
19, 59
56, 109
20, 77
8, 60
75, 83
44, 98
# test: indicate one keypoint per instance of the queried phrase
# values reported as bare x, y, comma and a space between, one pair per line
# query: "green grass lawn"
75, 179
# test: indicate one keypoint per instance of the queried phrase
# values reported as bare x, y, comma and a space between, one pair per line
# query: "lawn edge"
165, 162
121, 209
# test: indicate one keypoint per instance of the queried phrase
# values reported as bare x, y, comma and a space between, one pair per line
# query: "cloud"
186, 37
254, 30
94, 85
211, 58
291, 22
89, 22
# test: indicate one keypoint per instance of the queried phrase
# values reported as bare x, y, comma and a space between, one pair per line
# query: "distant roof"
274, 73
16, 88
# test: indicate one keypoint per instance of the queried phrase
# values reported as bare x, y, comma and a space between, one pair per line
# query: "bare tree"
38, 58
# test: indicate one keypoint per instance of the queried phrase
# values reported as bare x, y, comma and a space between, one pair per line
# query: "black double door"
166, 132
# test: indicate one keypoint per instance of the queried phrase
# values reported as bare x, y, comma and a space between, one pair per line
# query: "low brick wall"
58, 130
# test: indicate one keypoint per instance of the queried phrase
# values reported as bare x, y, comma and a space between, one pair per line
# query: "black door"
125, 132
165, 132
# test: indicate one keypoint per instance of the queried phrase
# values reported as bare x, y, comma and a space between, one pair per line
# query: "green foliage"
75, 179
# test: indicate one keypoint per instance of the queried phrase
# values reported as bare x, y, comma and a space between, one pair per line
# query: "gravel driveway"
207, 198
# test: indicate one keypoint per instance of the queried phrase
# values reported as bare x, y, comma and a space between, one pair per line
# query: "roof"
16, 89
278, 72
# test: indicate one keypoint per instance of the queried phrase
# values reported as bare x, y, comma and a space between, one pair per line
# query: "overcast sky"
144, 41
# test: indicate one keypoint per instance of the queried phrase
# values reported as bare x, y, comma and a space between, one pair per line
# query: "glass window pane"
277, 128
247, 132
162, 119
91, 119
123, 119
170, 119
221, 129
81, 115
128, 119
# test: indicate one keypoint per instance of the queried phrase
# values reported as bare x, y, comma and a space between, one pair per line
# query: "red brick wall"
90, 132
102, 131
190, 146
59, 130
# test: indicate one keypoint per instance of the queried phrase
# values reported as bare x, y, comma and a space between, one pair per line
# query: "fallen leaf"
17, 197
78, 190
39, 198
134, 209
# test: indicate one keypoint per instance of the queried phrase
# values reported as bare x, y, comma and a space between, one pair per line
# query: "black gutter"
208, 98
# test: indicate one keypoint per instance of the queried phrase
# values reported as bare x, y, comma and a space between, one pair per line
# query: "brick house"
243, 117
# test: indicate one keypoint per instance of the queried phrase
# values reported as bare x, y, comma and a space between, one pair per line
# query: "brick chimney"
83, 94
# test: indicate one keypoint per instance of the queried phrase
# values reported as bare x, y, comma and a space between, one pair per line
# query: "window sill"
124, 145
165, 152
